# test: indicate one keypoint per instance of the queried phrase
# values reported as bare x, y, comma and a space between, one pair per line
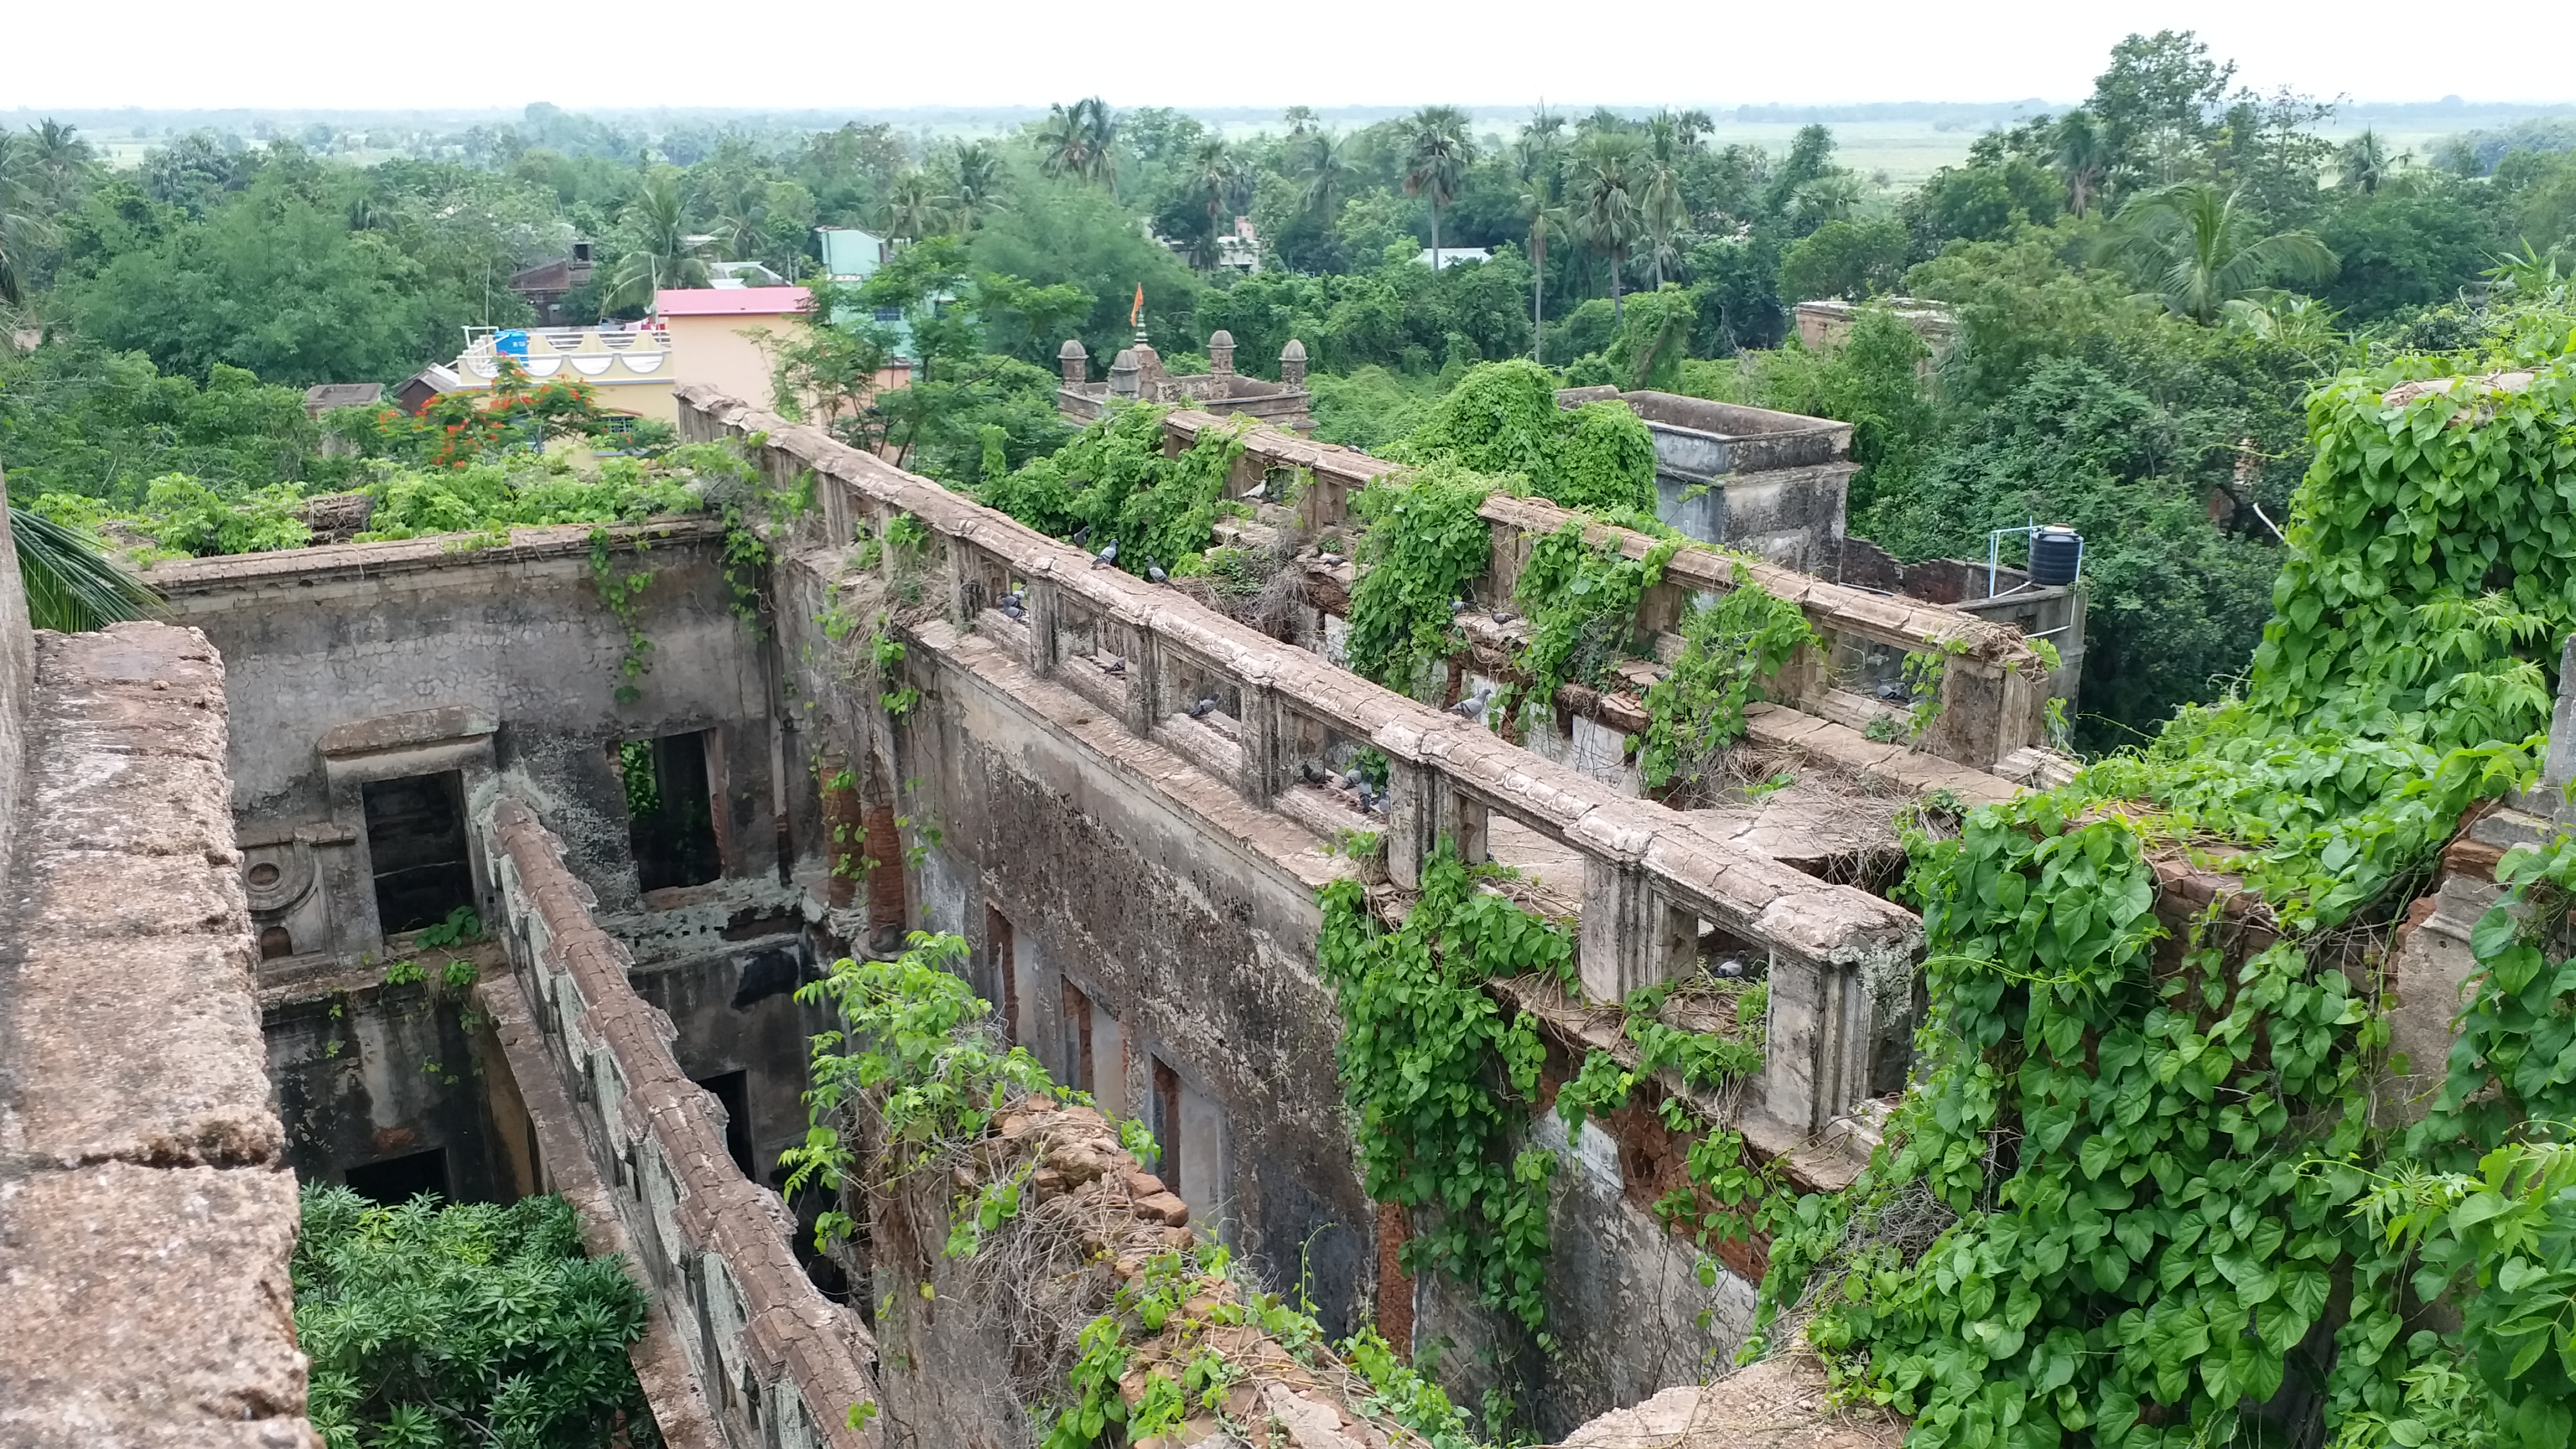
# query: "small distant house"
424, 387
1455, 256
743, 274
715, 333
329, 396
545, 285
1822, 325
851, 254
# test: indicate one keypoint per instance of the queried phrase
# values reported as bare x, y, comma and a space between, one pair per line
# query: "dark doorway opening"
397, 1180
670, 811
733, 1089
416, 838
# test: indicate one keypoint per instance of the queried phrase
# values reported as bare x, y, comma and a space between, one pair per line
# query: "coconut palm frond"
72, 585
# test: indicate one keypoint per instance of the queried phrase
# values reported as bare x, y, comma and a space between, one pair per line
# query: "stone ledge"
145, 1220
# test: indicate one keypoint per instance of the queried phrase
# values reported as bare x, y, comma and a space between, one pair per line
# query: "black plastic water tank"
2053, 555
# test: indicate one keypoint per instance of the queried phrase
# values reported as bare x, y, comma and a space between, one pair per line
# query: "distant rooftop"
730, 301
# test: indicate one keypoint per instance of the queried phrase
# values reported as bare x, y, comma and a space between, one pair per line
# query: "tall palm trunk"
1618, 264
1435, 237
1538, 287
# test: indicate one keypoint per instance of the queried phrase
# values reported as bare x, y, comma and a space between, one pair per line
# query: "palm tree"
1325, 171
20, 227
2365, 162
915, 207
1302, 122
1212, 175
977, 177
1541, 152
71, 583
1607, 213
1438, 150
1078, 141
58, 158
2083, 156
658, 249
2195, 248
1660, 210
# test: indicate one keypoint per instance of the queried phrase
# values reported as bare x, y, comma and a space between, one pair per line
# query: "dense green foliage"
1114, 481
1425, 543
1730, 648
2197, 1161
1502, 418
443, 1327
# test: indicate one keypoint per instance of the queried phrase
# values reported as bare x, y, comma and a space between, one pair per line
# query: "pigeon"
1731, 968
1354, 780
1473, 708
1377, 805
1203, 708
1258, 493
1154, 572
1116, 665
1307, 772
1106, 556
1504, 616
1019, 596
1011, 609
1080, 536
1457, 607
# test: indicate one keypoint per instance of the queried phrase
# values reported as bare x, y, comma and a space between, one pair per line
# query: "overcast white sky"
289, 54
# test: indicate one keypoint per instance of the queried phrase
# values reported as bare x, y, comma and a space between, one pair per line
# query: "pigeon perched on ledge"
1106, 556
1153, 572
1203, 708
1474, 708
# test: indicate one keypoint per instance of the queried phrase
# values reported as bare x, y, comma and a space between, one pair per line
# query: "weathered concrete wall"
783, 1366
366, 662
1182, 914
17, 686
146, 1216
372, 1071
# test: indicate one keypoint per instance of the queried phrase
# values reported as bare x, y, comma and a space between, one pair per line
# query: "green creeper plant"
1425, 543
1730, 649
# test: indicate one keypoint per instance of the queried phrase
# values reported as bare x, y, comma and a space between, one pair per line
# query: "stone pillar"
2559, 768
1292, 363
1631, 935
1265, 729
1075, 360
1123, 373
1221, 353
1816, 1066
885, 863
1423, 809
1040, 607
1144, 679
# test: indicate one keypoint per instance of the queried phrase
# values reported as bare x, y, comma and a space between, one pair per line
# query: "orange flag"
1136, 314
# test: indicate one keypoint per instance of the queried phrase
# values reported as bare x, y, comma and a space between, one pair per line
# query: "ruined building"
221, 828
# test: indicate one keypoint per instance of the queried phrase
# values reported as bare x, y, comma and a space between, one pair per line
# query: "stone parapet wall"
782, 1366
146, 1213
17, 686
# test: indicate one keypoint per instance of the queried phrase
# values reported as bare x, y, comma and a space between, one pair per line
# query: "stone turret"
1123, 371
1292, 363
1221, 353
1075, 360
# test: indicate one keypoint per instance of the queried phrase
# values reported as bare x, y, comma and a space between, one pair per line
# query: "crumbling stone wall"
361, 662
782, 1366
146, 1216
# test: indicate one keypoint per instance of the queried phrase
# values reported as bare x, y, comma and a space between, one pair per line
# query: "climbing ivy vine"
1503, 418
1425, 543
1442, 1080
1114, 480
1730, 649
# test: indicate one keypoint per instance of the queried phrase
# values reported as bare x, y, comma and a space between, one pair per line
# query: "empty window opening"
397, 1180
1108, 1079
275, 942
1077, 1037
1165, 1121
733, 1089
416, 839
670, 812
1006, 971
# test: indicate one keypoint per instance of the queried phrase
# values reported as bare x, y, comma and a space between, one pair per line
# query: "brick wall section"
781, 1365
146, 1215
